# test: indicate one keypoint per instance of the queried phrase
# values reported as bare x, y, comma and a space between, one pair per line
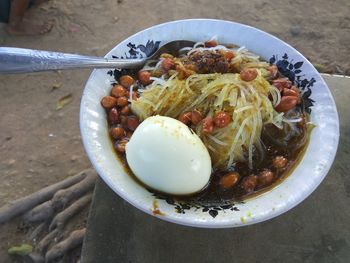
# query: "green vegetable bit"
21, 250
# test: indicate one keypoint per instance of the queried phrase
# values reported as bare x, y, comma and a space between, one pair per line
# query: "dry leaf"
22, 250
56, 86
64, 101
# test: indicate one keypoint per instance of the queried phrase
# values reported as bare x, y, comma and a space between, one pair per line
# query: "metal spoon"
20, 60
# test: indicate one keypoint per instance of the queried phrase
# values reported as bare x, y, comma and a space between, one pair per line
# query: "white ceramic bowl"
300, 184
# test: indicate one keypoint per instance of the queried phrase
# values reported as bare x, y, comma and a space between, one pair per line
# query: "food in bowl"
250, 118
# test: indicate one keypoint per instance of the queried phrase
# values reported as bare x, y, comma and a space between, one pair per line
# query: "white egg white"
167, 156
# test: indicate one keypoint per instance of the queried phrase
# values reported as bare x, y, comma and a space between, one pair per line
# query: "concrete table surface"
317, 230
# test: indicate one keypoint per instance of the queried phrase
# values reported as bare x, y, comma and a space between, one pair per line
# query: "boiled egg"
167, 156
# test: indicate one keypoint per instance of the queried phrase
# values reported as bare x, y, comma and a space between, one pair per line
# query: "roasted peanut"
196, 117
108, 102
125, 110
132, 122
117, 132
120, 145
289, 92
222, 119
249, 183
295, 89
185, 117
123, 121
287, 103
279, 162
126, 81
144, 77
265, 177
122, 101
298, 92
248, 74
118, 91
167, 64
113, 116
208, 125
210, 43
229, 55
280, 84
273, 71
229, 180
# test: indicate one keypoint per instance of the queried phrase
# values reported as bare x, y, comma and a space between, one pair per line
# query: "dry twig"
39, 213
61, 218
58, 250
22, 205
46, 241
64, 196
38, 231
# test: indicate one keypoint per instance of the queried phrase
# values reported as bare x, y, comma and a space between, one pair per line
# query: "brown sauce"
213, 193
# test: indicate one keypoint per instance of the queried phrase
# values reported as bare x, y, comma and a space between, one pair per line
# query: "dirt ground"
40, 145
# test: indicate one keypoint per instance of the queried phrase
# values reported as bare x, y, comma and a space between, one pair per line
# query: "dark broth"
213, 193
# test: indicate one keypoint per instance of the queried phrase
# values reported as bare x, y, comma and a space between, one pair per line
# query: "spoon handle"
20, 60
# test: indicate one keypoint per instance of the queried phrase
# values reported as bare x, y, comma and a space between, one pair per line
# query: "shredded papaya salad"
226, 95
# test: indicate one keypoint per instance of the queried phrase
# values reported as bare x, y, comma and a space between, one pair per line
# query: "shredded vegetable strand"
247, 102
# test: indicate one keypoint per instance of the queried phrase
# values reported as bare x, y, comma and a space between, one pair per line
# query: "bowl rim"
189, 221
